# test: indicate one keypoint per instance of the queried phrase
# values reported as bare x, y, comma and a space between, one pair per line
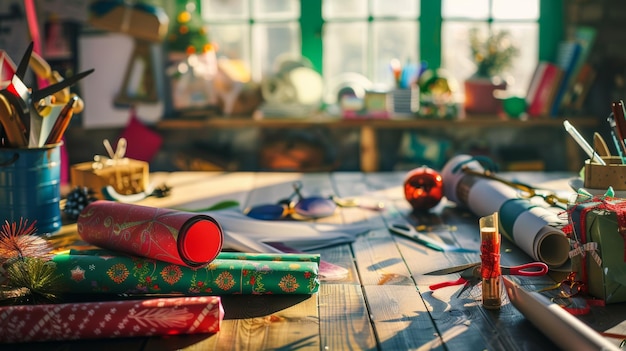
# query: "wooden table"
384, 303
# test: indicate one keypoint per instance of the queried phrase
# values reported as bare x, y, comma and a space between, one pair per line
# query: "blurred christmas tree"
188, 33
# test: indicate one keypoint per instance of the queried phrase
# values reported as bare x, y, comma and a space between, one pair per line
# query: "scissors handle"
448, 283
533, 269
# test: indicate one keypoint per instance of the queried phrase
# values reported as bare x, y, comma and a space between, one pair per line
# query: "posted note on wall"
109, 55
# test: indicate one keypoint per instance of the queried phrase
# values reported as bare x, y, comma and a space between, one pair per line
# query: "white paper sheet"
247, 234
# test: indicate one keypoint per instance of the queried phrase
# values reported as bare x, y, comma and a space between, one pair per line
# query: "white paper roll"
533, 228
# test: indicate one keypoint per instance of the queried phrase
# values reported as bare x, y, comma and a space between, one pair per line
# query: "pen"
619, 143
61, 123
620, 122
583, 144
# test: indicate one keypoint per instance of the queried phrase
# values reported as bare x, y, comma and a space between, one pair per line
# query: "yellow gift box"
126, 176
600, 177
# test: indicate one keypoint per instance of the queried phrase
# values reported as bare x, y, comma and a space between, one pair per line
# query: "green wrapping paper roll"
230, 273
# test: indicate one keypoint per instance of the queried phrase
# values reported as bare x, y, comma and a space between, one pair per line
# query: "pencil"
61, 123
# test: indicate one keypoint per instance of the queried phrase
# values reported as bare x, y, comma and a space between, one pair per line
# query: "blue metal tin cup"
30, 186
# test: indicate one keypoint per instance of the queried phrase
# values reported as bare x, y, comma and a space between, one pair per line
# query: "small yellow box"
601, 177
127, 176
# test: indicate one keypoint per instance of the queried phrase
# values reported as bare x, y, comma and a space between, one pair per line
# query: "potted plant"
492, 56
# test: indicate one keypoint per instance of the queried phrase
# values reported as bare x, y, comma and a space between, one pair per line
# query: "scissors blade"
453, 269
409, 232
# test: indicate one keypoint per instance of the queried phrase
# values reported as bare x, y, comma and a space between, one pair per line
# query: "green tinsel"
30, 280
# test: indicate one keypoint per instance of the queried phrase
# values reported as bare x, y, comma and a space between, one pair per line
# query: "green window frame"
551, 29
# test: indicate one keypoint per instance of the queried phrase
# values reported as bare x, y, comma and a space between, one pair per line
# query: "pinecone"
76, 200
161, 190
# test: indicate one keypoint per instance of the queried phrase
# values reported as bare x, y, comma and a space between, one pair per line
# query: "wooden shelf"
395, 123
369, 154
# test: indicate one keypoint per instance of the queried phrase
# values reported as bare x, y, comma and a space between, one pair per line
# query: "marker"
583, 143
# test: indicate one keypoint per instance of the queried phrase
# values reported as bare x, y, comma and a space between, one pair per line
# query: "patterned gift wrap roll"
110, 273
162, 234
111, 319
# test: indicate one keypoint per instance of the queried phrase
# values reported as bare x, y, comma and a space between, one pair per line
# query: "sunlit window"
518, 18
256, 32
364, 36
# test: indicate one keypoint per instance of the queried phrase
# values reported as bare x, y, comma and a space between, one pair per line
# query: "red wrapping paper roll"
111, 319
162, 234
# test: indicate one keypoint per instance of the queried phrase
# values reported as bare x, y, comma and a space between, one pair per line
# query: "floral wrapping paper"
231, 273
173, 236
111, 319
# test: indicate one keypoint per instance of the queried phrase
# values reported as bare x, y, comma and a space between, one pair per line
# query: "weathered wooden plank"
344, 318
340, 255
378, 260
401, 319
265, 323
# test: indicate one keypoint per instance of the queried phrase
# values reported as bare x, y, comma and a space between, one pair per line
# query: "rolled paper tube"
533, 228
520, 219
173, 236
115, 274
560, 326
111, 319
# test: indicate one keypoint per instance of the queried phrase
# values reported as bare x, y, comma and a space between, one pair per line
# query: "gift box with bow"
599, 247
125, 175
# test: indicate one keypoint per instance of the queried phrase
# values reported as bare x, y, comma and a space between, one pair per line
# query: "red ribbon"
490, 258
603, 203
610, 204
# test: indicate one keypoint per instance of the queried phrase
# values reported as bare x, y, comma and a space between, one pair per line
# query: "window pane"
270, 41
470, 9
507, 9
276, 9
525, 36
397, 8
345, 48
455, 49
334, 9
218, 10
391, 40
456, 52
232, 40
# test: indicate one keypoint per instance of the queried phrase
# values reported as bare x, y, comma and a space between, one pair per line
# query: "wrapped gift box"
127, 176
111, 319
599, 252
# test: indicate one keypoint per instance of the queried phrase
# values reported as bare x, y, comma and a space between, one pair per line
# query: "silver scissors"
410, 232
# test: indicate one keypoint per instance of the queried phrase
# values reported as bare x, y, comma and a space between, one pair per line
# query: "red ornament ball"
423, 188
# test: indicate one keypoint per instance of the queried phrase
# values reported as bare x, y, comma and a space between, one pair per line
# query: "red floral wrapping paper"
111, 319
173, 236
